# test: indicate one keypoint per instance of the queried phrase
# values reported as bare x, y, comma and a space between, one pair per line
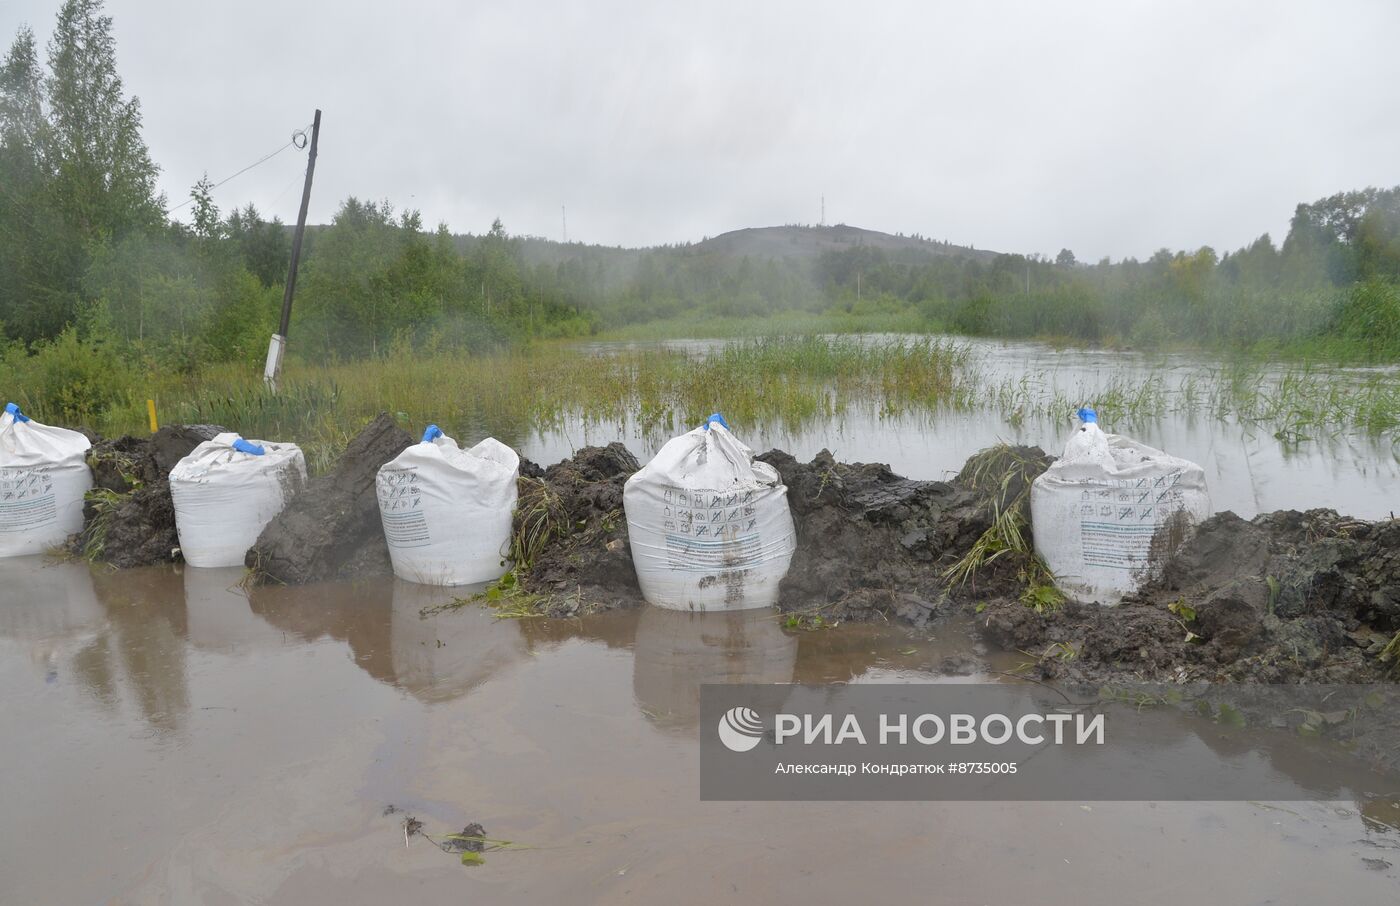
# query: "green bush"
1150, 330
1370, 316
69, 379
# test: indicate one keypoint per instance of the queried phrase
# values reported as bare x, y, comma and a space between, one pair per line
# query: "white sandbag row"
43, 477
447, 512
225, 493
1108, 513
709, 526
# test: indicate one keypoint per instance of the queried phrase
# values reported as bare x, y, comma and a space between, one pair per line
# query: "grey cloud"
1111, 128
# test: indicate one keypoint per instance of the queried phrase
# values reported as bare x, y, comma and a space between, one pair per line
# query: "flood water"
171, 738
1248, 469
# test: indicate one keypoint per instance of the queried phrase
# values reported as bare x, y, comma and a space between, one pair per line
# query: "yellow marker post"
151, 411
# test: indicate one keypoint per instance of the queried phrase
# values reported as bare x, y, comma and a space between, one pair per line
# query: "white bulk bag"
1107, 513
226, 492
447, 511
709, 526
43, 477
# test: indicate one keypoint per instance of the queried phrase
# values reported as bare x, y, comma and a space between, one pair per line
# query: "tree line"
88, 254
94, 269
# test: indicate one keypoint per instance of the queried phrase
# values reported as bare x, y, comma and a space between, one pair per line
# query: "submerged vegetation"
788, 382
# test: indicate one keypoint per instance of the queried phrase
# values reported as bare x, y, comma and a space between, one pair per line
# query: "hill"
786, 242
776, 243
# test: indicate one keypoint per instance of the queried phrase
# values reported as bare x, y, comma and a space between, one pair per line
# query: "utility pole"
278, 346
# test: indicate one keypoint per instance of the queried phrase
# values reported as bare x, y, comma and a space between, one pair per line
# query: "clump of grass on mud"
1005, 475
540, 518
509, 599
104, 503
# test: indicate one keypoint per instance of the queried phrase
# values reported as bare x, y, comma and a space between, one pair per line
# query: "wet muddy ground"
174, 738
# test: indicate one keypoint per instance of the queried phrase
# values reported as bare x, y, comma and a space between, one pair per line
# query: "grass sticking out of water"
505, 597
787, 383
808, 621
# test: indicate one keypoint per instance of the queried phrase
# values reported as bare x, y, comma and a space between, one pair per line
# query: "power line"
298, 139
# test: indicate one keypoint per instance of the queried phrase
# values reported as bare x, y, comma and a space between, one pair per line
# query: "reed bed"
788, 382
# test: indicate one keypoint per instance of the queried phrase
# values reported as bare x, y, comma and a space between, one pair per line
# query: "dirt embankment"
571, 532
875, 545
870, 544
1284, 597
129, 520
331, 529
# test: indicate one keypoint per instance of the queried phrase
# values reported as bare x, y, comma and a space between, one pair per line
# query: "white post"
273, 368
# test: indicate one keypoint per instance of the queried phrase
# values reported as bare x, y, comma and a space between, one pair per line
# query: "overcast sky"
1110, 128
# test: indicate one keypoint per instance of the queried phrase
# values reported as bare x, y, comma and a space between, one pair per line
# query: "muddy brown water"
170, 738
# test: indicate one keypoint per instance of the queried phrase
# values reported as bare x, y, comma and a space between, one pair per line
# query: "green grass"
510, 394
786, 382
1005, 478
104, 503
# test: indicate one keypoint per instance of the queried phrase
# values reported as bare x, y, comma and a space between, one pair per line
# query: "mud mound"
331, 530
1285, 597
130, 519
870, 544
873, 544
571, 533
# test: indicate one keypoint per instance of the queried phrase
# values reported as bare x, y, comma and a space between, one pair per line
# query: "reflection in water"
442, 656
353, 612
148, 631
676, 651
49, 607
300, 713
217, 611
435, 658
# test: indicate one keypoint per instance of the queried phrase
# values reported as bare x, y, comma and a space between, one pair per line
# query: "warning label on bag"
27, 499
706, 515
1119, 519
401, 507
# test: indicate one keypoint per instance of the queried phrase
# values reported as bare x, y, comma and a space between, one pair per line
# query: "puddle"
170, 739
